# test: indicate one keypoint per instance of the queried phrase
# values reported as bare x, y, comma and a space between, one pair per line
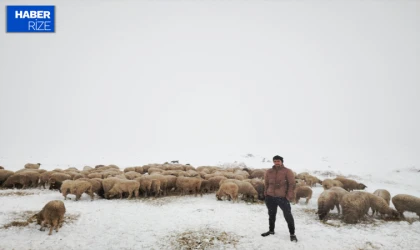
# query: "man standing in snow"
279, 191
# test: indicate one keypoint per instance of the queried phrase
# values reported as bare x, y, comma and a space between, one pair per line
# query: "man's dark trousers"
272, 203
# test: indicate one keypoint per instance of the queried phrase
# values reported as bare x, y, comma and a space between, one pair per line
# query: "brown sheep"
19, 179
1, 167
405, 202
302, 175
130, 169
187, 184
52, 214
384, 194
44, 178
378, 204
156, 187
125, 186
145, 185
66, 188
312, 180
329, 183
4, 174
205, 186
258, 184
302, 192
245, 188
56, 179
32, 165
95, 175
170, 183
351, 185
108, 184
215, 182
132, 175
355, 206
326, 202
229, 189
258, 173
97, 187
139, 170
79, 187
163, 181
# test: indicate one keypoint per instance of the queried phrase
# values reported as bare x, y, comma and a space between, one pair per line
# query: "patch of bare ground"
205, 238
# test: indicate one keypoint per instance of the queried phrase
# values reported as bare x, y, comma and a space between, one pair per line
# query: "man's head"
278, 161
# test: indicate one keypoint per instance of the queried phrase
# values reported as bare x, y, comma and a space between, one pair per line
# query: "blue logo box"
25, 18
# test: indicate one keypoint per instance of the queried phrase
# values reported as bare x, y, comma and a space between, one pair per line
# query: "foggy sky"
131, 82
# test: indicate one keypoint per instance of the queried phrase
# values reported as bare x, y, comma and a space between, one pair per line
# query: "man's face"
278, 163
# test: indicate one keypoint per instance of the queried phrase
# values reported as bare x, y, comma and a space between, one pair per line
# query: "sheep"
17, 179
312, 180
258, 184
131, 175
328, 199
170, 183
329, 183
156, 187
139, 170
384, 194
355, 206
302, 192
326, 202
245, 188
340, 192
127, 186
87, 168
4, 174
32, 165
378, 204
1, 167
302, 175
205, 186
215, 182
186, 184
66, 188
230, 189
151, 170
130, 169
108, 184
189, 167
258, 173
56, 179
78, 176
145, 185
79, 187
97, 187
44, 178
33, 177
95, 175
405, 202
351, 185
52, 214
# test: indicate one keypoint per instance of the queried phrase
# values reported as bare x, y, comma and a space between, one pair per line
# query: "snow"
160, 223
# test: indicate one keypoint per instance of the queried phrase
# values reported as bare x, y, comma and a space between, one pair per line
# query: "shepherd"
279, 191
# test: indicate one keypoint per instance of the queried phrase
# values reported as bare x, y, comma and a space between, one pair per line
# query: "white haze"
132, 82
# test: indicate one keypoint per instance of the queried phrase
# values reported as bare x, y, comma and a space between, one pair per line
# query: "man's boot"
267, 233
293, 238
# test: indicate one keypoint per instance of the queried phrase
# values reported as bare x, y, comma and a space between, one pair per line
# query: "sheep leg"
121, 195
307, 200
338, 208
42, 226
136, 193
130, 194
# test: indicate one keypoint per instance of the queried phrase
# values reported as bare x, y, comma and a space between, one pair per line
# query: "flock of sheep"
169, 179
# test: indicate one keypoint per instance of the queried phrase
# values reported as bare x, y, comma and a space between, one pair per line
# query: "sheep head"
361, 186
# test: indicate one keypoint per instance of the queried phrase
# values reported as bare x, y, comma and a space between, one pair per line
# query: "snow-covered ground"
173, 222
